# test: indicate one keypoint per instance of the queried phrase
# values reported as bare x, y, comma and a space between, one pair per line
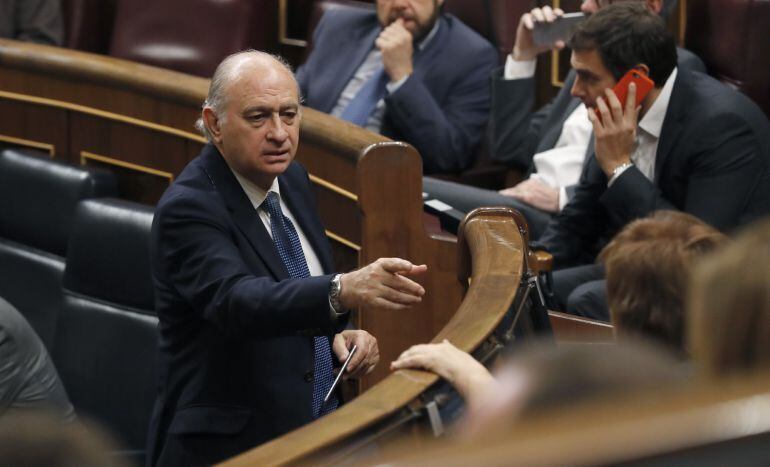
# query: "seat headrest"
155, 33
108, 257
38, 196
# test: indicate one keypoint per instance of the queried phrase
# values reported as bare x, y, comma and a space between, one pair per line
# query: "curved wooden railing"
491, 244
712, 423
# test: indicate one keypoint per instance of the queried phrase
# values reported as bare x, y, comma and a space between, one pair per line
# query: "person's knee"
589, 300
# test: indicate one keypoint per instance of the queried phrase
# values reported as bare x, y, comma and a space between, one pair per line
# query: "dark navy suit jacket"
441, 109
236, 356
713, 161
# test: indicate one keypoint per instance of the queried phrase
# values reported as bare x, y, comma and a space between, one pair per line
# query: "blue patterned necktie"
290, 249
361, 107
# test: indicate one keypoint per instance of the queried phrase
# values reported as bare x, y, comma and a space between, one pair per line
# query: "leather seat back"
731, 37
191, 36
107, 335
88, 24
37, 201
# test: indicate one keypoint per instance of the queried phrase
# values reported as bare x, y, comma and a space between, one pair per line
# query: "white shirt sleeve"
518, 70
562, 197
617, 174
393, 86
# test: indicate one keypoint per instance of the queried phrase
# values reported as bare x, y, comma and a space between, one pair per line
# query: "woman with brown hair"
648, 267
729, 306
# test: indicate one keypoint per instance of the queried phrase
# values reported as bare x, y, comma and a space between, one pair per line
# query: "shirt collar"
426, 40
652, 122
256, 194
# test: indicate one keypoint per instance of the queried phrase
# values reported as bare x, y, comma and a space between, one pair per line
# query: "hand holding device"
549, 33
524, 47
643, 86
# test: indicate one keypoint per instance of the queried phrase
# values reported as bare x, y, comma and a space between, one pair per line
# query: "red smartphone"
643, 86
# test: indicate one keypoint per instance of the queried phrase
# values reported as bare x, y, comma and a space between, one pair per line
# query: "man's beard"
421, 30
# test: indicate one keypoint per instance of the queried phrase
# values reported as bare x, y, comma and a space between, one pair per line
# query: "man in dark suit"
407, 71
694, 145
552, 143
251, 316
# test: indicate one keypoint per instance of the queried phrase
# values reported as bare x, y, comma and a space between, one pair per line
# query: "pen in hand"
339, 375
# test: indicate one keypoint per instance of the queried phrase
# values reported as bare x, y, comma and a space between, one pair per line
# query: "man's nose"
277, 131
576, 90
400, 4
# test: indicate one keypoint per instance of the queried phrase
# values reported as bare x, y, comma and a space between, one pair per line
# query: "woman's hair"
729, 306
648, 268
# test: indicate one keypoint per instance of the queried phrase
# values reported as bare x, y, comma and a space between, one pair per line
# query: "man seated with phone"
552, 143
691, 144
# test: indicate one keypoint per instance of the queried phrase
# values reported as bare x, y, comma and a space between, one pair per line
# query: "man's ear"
643, 67
655, 5
211, 121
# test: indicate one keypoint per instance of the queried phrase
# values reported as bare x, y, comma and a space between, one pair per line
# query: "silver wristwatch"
335, 288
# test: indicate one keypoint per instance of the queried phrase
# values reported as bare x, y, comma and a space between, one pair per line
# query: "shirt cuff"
563, 200
617, 174
518, 70
393, 86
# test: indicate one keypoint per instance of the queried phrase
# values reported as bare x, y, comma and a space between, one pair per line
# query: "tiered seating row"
76, 265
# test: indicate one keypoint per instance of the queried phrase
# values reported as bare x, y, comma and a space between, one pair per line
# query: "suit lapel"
353, 50
308, 222
563, 107
246, 218
672, 123
423, 58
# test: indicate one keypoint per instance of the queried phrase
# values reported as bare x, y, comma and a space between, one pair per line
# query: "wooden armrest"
540, 261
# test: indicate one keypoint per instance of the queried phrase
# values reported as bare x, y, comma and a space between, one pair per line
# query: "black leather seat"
191, 36
106, 338
37, 200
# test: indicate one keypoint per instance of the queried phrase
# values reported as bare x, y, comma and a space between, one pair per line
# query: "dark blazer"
441, 109
236, 356
713, 161
517, 134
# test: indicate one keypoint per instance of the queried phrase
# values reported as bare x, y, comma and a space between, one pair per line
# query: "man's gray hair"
224, 75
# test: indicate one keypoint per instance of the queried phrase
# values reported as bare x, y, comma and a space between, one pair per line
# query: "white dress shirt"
648, 133
560, 166
257, 195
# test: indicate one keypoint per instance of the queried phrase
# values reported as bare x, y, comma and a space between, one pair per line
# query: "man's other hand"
525, 47
395, 43
382, 284
367, 354
535, 193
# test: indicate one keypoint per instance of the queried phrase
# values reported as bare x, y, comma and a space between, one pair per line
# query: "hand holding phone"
643, 86
548, 33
